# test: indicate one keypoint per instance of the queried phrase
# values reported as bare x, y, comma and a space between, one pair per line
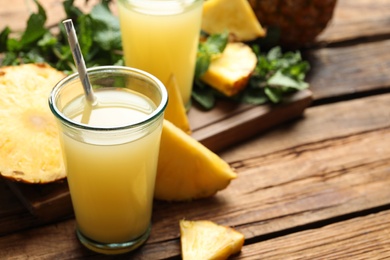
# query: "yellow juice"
112, 180
162, 39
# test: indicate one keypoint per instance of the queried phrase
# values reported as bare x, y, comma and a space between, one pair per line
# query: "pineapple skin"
299, 21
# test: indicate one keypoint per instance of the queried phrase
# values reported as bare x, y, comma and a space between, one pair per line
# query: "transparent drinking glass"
111, 152
161, 37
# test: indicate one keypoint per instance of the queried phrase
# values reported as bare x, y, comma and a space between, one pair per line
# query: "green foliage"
98, 35
277, 74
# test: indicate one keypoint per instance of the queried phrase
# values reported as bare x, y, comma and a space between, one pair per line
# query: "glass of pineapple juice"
161, 37
111, 152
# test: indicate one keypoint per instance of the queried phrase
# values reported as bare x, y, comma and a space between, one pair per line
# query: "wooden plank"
365, 237
228, 123
349, 70
357, 19
298, 185
48, 202
332, 121
13, 215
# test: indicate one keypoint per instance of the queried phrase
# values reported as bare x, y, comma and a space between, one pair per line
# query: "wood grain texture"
305, 182
324, 167
366, 237
228, 123
357, 19
336, 72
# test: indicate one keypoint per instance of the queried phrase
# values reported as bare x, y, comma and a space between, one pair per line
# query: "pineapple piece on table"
235, 16
30, 149
230, 72
186, 169
205, 239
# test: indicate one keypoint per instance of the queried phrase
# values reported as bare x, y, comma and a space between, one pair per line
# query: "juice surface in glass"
161, 37
112, 183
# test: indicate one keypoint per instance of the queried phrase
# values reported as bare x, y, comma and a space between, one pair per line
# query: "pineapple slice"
229, 73
30, 150
186, 169
235, 16
207, 240
176, 111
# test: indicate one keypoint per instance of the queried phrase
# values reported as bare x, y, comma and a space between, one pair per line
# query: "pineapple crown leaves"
98, 35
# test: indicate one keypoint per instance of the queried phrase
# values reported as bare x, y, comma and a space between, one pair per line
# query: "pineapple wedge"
30, 150
186, 169
175, 111
205, 239
230, 72
235, 16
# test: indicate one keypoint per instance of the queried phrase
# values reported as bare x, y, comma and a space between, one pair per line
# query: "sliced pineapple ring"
187, 169
205, 239
30, 150
235, 16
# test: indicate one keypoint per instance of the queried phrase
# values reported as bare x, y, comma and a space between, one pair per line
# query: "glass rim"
179, 6
75, 76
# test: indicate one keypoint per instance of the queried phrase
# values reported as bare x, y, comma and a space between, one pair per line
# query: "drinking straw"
79, 61
80, 64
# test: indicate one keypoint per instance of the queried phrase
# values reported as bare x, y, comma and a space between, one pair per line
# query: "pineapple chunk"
30, 150
235, 16
175, 111
229, 73
207, 240
186, 169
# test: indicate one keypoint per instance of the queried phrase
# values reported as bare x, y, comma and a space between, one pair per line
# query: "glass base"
113, 248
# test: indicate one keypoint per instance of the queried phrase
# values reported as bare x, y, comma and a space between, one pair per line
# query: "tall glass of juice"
161, 37
111, 151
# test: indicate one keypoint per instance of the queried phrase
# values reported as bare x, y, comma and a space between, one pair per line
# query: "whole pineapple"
299, 21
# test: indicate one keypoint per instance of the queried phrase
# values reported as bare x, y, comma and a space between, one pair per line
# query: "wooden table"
317, 187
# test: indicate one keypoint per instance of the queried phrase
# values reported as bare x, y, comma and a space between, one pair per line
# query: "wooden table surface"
317, 187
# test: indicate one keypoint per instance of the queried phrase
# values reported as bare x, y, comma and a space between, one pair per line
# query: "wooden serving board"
225, 125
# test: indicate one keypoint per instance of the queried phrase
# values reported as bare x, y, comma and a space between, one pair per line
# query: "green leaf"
4, 38
35, 27
253, 96
9, 59
106, 28
204, 97
85, 35
274, 94
72, 12
280, 80
214, 45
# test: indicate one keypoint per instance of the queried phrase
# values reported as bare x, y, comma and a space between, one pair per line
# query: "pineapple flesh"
230, 72
205, 239
30, 150
234, 16
175, 111
186, 169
